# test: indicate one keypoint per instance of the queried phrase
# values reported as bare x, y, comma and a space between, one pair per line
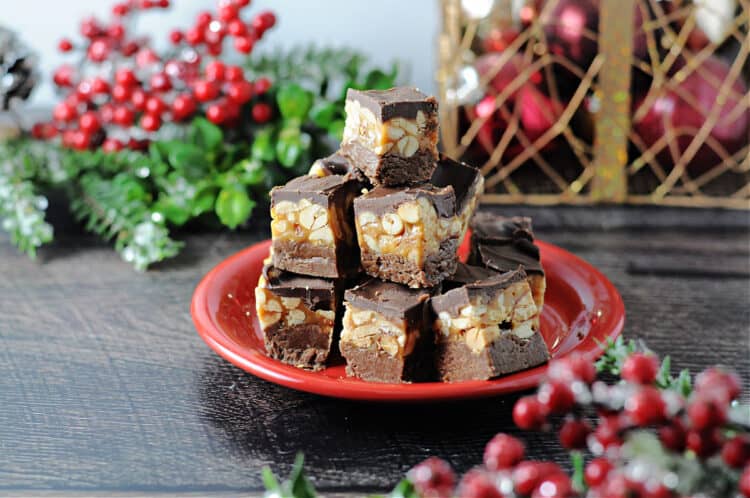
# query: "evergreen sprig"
199, 172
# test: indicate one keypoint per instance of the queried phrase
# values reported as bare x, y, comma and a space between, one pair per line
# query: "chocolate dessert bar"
391, 135
487, 325
385, 335
408, 235
311, 226
297, 315
336, 164
504, 243
467, 183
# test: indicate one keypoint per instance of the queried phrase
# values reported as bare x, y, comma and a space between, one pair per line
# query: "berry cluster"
124, 91
695, 428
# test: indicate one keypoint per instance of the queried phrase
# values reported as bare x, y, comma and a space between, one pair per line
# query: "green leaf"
323, 113
251, 172
204, 200
576, 458
336, 129
269, 480
300, 486
291, 145
378, 80
293, 101
206, 135
263, 145
404, 489
185, 155
177, 214
233, 206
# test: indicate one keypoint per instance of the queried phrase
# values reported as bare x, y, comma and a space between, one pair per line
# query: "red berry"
526, 476
121, 93
261, 112
672, 436
596, 471
744, 484
717, 382
215, 49
99, 86
433, 478
194, 36
572, 367
205, 90
553, 486
64, 45
183, 106
146, 57
607, 432
160, 82
477, 483
120, 10
262, 85
138, 99
573, 434
176, 36
736, 452
243, 44
215, 71
126, 77
81, 140
163, 4
269, 19
214, 37
123, 116
242, 3
706, 413
89, 122
112, 145
116, 31
203, 19
236, 27
645, 407
240, 92
263, 21
227, 12
703, 443
640, 368
556, 397
155, 106
43, 131
129, 48
234, 73
64, 112
90, 28
98, 50
503, 452
528, 413
216, 113
149, 122
63, 76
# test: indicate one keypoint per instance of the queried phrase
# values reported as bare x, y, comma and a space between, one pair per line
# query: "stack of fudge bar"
364, 258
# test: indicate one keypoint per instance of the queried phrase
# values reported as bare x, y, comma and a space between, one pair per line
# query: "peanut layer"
368, 329
288, 311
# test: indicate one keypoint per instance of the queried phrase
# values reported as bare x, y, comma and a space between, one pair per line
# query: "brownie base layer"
315, 260
401, 270
455, 361
303, 346
391, 170
373, 365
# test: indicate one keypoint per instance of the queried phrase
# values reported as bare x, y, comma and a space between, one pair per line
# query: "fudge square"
391, 135
297, 315
467, 183
386, 334
311, 226
502, 244
337, 164
408, 235
487, 325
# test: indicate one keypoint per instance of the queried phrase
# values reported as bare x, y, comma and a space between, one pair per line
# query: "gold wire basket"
627, 125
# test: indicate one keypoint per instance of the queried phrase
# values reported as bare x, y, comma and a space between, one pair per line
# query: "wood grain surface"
105, 388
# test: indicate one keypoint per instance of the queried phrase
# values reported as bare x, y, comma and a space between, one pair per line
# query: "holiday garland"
655, 436
145, 142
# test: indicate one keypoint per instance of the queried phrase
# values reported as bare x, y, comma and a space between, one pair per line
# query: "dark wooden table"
105, 388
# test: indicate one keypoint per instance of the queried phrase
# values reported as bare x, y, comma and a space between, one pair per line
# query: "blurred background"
395, 30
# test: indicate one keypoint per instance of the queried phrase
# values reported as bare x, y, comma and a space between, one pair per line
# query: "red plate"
582, 310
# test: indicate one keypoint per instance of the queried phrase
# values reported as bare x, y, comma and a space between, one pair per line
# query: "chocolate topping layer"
317, 293
494, 229
315, 189
463, 178
387, 199
390, 300
453, 300
337, 164
400, 101
509, 256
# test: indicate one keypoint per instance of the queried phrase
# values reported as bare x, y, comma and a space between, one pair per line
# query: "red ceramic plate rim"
605, 325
